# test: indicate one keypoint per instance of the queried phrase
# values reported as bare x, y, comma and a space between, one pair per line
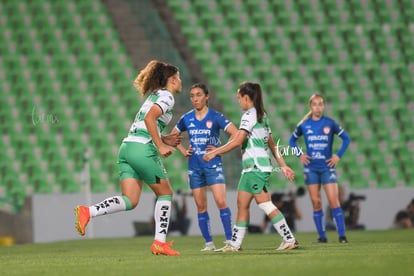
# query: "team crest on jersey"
326, 130
209, 124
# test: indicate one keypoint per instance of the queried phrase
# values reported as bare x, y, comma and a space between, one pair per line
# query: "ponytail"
307, 116
254, 91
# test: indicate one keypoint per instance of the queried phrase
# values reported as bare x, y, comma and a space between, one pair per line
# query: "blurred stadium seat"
60, 68
64, 72
356, 53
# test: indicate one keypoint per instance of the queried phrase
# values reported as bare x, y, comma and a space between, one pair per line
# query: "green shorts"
140, 161
254, 182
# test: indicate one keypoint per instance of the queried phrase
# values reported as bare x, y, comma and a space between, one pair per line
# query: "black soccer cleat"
343, 240
322, 240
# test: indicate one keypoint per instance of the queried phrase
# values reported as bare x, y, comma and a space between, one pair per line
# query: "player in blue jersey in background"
320, 163
203, 126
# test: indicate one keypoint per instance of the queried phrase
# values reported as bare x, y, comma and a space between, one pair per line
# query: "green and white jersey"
256, 148
138, 131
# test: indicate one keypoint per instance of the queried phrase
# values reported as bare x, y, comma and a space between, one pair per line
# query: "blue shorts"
320, 176
201, 177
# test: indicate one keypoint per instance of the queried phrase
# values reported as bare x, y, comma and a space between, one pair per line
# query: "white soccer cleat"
209, 247
288, 245
228, 248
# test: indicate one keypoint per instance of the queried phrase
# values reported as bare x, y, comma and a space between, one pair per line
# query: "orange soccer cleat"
163, 248
82, 218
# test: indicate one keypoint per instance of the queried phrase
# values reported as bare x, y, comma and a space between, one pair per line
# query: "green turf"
368, 253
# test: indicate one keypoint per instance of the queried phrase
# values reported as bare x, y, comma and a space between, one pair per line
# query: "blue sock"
225, 215
338, 217
318, 219
204, 224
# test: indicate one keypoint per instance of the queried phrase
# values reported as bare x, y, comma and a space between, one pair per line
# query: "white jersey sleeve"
248, 120
138, 131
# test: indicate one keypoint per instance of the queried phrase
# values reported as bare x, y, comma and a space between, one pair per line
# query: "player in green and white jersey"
255, 138
140, 153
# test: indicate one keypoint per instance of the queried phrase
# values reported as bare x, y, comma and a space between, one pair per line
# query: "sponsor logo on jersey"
200, 132
312, 138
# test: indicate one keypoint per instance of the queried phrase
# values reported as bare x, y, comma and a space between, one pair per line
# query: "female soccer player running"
319, 163
203, 125
255, 137
139, 157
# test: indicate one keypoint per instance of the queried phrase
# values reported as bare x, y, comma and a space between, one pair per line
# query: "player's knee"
201, 208
316, 204
134, 204
130, 202
268, 207
221, 204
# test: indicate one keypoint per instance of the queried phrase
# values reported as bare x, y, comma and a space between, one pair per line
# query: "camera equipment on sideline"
351, 210
291, 195
353, 197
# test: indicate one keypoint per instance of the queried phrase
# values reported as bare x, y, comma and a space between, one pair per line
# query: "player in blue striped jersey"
203, 126
320, 162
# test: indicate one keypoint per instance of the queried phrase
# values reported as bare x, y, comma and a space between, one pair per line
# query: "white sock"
238, 235
279, 223
162, 214
108, 206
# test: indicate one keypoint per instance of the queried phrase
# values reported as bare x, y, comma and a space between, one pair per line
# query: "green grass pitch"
368, 253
